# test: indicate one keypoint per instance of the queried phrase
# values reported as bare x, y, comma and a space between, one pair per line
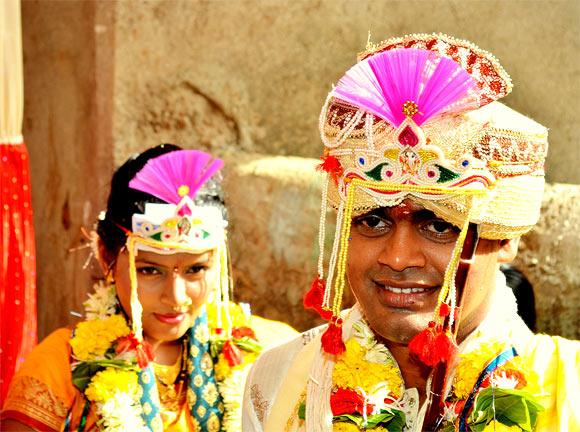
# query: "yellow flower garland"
223, 370
472, 363
92, 338
351, 427
500, 427
353, 371
115, 390
105, 384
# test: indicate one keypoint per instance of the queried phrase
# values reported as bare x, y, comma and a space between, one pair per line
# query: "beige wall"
105, 79
67, 127
253, 75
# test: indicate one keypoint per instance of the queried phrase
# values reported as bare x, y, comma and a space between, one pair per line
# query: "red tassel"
232, 353
444, 310
143, 350
433, 346
314, 297
444, 347
332, 338
144, 354
422, 344
241, 332
332, 166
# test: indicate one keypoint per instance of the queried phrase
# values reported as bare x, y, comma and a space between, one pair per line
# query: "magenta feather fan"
381, 84
165, 175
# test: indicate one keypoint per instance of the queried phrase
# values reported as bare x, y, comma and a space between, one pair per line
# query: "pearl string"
333, 256
322, 227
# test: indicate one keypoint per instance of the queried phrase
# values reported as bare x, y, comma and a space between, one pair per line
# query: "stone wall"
253, 74
549, 257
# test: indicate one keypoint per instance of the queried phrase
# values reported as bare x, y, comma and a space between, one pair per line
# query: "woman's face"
171, 289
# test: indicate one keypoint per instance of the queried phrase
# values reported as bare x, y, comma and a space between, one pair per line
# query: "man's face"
396, 265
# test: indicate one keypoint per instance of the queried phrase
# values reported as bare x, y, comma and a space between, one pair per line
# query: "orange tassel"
332, 338
314, 297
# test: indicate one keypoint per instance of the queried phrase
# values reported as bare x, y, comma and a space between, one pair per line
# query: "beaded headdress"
417, 117
179, 224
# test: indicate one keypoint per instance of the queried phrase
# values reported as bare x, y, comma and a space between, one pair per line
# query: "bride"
162, 347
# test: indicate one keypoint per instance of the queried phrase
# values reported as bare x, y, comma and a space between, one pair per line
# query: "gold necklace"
170, 384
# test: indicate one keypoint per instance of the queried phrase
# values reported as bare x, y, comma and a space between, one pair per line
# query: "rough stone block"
274, 207
549, 257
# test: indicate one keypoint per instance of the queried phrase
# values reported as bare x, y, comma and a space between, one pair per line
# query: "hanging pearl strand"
333, 256
225, 285
344, 238
322, 226
219, 294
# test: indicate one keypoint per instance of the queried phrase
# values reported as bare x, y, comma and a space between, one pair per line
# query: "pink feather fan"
381, 84
165, 175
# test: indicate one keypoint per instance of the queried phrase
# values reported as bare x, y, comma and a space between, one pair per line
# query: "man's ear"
508, 249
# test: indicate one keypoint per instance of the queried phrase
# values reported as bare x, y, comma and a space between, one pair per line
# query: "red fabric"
25, 420
18, 266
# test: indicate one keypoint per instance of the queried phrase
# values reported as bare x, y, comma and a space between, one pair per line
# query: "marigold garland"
107, 359
352, 370
106, 383
92, 338
366, 379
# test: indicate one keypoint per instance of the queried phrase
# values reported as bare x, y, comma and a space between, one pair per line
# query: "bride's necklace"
171, 379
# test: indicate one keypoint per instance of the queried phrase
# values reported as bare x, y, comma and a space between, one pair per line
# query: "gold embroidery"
197, 380
294, 417
35, 399
192, 397
206, 364
201, 411
157, 424
210, 393
260, 404
213, 424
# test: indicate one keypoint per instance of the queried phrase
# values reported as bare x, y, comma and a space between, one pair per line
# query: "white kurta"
297, 372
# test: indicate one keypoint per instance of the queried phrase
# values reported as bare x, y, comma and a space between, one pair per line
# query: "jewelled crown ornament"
176, 178
178, 225
417, 118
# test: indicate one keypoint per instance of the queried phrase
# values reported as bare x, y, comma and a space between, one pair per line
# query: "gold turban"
487, 146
